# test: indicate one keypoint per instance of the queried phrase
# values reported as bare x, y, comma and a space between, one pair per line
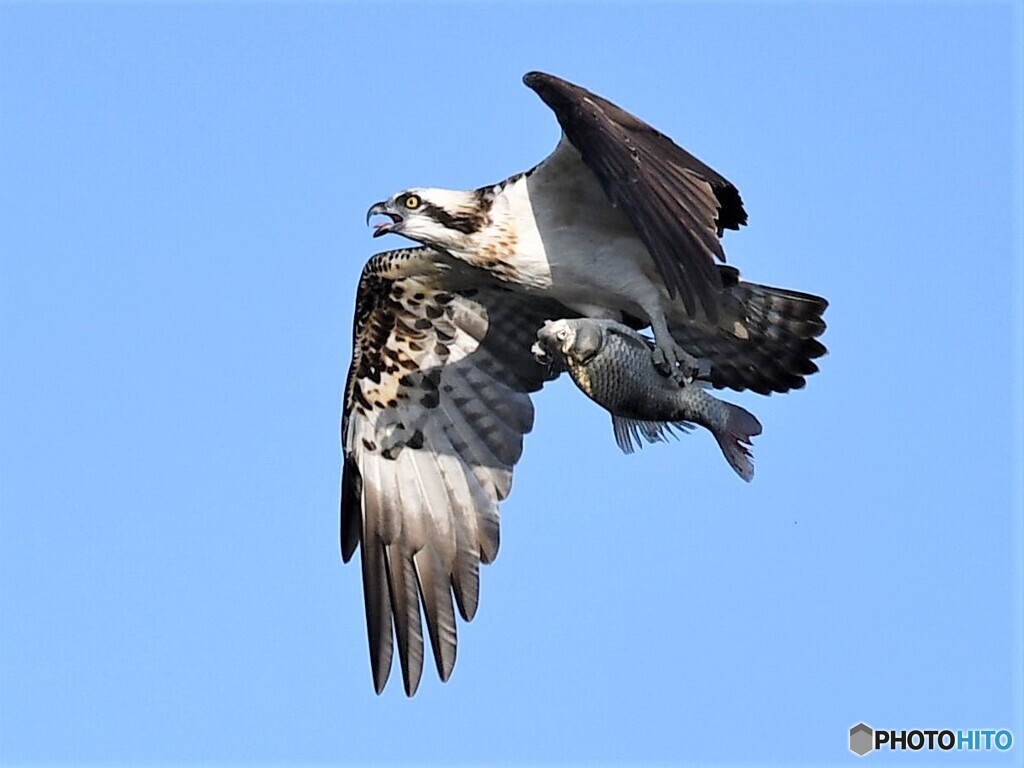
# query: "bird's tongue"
383, 227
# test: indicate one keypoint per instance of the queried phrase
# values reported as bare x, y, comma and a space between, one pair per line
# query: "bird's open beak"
383, 209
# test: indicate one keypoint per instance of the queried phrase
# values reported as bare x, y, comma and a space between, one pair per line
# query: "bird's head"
439, 217
578, 339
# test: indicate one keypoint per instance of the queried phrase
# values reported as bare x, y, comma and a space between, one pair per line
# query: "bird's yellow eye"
412, 202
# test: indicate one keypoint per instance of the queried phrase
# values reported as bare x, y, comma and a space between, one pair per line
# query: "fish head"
579, 339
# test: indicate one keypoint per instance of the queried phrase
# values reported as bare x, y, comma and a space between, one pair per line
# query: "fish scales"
612, 365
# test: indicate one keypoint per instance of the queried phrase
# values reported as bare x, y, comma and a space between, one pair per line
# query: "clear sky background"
182, 200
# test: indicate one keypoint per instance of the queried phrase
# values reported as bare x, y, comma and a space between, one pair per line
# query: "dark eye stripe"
465, 223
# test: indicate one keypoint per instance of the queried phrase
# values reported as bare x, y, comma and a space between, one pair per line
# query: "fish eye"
412, 202
561, 334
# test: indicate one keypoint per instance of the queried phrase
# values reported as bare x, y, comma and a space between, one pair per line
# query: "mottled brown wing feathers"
436, 406
678, 205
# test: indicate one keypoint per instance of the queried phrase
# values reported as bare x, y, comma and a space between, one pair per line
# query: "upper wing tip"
533, 78
731, 212
546, 85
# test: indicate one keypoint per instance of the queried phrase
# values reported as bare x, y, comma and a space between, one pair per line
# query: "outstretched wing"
766, 339
436, 406
678, 205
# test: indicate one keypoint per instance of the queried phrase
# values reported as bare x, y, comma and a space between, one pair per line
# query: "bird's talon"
676, 363
683, 375
662, 361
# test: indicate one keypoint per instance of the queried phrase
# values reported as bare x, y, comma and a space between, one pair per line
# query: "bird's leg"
670, 358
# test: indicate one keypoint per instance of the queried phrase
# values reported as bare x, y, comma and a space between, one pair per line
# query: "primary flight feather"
436, 406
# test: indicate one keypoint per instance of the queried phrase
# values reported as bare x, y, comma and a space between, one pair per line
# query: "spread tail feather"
779, 344
734, 439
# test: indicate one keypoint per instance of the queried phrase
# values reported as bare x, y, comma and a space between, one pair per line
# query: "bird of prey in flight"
618, 223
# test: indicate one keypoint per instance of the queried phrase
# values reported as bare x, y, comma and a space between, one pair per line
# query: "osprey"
618, 224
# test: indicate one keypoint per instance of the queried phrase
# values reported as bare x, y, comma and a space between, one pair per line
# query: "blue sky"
182, 192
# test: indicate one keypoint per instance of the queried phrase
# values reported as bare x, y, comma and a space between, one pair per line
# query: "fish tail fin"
631, 434
734, 439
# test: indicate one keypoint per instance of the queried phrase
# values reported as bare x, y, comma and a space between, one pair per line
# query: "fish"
612, 364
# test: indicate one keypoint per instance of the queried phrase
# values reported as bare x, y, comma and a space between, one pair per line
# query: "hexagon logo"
862, 739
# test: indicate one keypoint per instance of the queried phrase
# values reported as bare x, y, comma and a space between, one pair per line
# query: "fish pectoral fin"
631, 434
